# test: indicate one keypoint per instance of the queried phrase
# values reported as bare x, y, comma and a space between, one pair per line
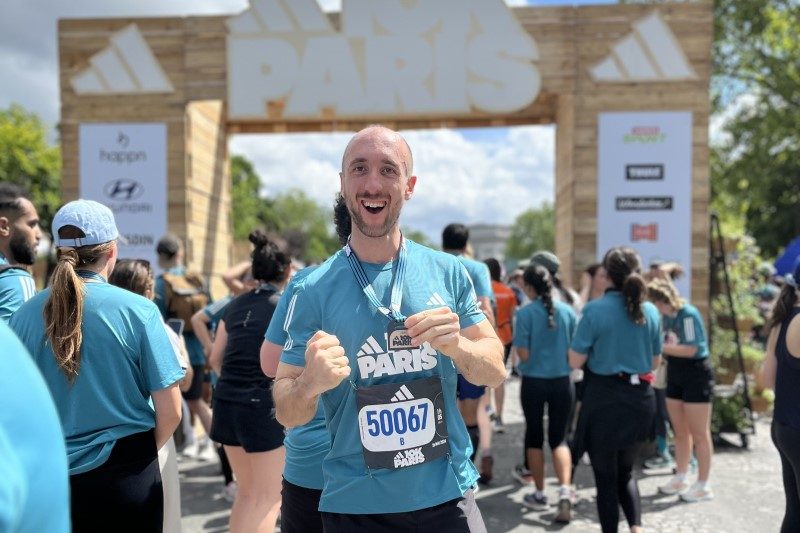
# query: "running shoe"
698, 493
658, 462
487, 462
536, 501
564, 514
676, 485
522, 474
498, 425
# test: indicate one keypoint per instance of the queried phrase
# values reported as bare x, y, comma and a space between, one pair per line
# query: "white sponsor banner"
124, 166
644, 187
389, 59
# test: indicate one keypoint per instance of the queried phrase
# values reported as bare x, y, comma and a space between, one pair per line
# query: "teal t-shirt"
34, 484
306, 445
547, 348
125, 355
16, 287
688, 325
216, 310
333, 301
479, 274
612, 341
197, 356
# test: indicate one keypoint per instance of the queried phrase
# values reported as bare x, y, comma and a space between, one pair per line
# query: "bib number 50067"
396, 426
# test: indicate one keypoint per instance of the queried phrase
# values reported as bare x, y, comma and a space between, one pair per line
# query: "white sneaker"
676, 485
698, 493
229, 491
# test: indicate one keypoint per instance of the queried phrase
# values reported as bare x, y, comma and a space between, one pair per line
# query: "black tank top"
787, 379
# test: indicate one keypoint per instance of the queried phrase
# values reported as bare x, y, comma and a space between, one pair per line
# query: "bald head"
386, 135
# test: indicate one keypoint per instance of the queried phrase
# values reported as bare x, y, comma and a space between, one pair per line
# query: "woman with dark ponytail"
111, 370
542, 337
619, 340
781, 372
244, 415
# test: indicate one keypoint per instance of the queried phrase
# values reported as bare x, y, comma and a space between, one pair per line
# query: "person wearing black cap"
562, 292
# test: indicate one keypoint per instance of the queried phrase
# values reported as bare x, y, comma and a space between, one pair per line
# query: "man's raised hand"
326, 363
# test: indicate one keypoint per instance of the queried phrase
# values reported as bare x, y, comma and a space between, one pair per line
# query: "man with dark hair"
473, 402
19, 237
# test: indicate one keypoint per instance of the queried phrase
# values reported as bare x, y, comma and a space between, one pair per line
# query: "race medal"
402, 424
397, 337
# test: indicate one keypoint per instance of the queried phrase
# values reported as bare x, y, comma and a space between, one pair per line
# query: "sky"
469, 176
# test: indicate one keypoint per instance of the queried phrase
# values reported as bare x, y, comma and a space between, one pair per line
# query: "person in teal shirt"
19, 237
543, 332
366, 340
619, 340
690, 387
473, 402
110, 367
33, 459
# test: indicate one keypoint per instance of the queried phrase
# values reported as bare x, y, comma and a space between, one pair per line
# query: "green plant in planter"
728, 413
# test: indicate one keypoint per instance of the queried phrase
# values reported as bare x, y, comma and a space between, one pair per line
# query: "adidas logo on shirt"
402, 395
436, 300
374, 361
411, 457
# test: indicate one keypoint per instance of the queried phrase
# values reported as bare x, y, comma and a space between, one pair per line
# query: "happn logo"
390, 58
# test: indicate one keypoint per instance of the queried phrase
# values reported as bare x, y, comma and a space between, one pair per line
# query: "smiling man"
378, 334
19, 237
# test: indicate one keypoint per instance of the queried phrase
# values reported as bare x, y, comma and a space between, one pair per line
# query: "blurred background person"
506, 303
19, 237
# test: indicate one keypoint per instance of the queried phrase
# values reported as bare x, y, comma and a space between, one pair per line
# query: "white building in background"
489, 240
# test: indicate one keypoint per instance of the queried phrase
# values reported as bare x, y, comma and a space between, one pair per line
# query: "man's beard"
21, 251
371, 231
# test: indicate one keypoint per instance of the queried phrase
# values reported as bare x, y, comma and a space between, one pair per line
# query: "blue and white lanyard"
393, 311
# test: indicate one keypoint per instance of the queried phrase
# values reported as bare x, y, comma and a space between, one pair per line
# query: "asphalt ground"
746, 483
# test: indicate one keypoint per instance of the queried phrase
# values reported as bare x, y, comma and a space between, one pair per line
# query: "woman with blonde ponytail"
619, 340
105, 357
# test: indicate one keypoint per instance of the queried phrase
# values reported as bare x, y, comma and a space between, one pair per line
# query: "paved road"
747, 485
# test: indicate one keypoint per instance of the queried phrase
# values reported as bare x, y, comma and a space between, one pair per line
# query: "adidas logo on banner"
126, 66
411, 457
650, 53
402, 394
435, 299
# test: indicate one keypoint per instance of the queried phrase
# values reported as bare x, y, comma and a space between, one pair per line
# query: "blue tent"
786, 262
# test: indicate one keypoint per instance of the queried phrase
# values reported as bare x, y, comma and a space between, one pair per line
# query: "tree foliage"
419, 237
304, 224
29, 160
756, 171
532, 230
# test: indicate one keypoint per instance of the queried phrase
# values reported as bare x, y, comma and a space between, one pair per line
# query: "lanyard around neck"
393, 311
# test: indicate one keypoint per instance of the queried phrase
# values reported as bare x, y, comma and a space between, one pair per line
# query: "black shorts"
249, 425
467, 391
126, 489
690, 380
506, 353
195, 392
300, 509
456, 516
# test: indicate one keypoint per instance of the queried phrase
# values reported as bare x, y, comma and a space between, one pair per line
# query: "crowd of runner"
360, 394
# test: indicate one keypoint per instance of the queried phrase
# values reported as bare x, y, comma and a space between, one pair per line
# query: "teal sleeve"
584, 337
303, 323
572, 322
483, 283
467, 308
10, 299
522, 330
657, 338
158, 363
276, 333
215, 310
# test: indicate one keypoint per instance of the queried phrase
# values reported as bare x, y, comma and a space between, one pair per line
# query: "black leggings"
558, 394
616, 486
125, 490
787, 440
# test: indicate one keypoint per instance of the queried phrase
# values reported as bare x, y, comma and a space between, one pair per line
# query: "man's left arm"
475, 350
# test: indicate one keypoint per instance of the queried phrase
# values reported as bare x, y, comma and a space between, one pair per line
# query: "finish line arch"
147, 105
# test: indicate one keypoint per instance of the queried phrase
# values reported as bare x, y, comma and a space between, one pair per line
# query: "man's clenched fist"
326, 363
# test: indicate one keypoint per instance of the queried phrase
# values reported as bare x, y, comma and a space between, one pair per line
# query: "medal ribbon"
393, 311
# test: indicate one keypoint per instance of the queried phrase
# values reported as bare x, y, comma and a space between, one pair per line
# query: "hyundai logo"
123, 189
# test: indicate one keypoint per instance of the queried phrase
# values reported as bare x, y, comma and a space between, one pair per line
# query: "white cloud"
491, 179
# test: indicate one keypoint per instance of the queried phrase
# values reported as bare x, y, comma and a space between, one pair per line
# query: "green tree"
756, 171
296, 214
532, 230
28, 159
248, 207
419, 237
